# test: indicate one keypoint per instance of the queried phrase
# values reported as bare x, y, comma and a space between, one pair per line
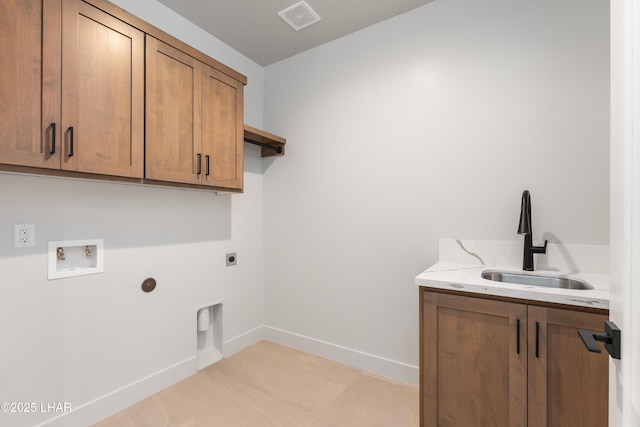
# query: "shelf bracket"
272, 145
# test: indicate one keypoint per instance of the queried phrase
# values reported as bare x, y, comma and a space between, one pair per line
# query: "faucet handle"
540, 249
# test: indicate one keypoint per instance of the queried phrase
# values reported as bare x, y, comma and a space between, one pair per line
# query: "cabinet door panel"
471, 364
173, 127
222, 129
568, 384
103, 93
29, 52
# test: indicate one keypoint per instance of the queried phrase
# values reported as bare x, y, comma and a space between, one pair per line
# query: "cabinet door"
102, 93
222, 130
30, 79
474, 373
568, 386
173, 139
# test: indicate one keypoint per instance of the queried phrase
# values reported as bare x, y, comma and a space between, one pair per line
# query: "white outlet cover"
24, 235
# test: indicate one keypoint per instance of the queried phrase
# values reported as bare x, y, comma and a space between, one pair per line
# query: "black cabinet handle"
53, 139
518, 335
70, 141
537, 339
199, 164
208, 166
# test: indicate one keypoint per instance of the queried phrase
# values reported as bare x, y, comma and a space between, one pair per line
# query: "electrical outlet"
24, 235
231, 259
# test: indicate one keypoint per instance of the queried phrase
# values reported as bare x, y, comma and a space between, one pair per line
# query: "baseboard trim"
367, 362
107, 405
244, 340
117, 400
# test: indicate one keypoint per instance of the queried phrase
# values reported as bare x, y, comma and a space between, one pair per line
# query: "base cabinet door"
494, 363
474, 364
568, 386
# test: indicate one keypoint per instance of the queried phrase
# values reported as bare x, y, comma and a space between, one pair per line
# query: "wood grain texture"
173, 130
194, 123
156, 33
554, 381
103, 93
473, 375
222, 129
29, 74
271, 385
568, 384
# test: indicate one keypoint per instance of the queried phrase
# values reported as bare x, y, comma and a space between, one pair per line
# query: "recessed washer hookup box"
75, 258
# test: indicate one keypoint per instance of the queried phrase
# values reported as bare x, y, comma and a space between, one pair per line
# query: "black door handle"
53, 139
70, 142
610, 337
537, 339
518, 336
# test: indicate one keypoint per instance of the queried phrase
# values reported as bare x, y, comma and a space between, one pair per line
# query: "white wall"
428, 125
99, 342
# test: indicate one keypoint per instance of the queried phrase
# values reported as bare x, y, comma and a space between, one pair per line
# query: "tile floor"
268, 384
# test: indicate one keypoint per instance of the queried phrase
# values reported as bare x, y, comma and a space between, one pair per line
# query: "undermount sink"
535, 280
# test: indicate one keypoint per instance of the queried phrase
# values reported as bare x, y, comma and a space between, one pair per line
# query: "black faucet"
525, 228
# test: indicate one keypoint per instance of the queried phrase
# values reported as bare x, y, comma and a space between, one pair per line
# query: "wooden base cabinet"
487, 362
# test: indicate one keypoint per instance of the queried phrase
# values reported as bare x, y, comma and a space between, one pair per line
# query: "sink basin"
535, 280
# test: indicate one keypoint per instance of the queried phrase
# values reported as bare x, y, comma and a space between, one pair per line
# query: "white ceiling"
253, 27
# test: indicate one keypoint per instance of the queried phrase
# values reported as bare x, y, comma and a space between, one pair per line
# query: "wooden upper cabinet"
194, 125
222, 130
30, 33
567, 384
73, 88
102, 93
173, 114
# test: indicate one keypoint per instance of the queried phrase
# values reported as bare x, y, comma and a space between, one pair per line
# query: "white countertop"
467, 278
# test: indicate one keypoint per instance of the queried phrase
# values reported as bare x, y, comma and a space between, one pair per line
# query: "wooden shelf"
272, 145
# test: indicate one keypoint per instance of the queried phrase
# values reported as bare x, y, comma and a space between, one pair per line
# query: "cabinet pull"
199, 164
70, 141
207, 162
53, 139
537, 339
518, 335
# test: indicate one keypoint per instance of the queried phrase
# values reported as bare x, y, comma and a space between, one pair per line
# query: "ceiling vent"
299, 16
